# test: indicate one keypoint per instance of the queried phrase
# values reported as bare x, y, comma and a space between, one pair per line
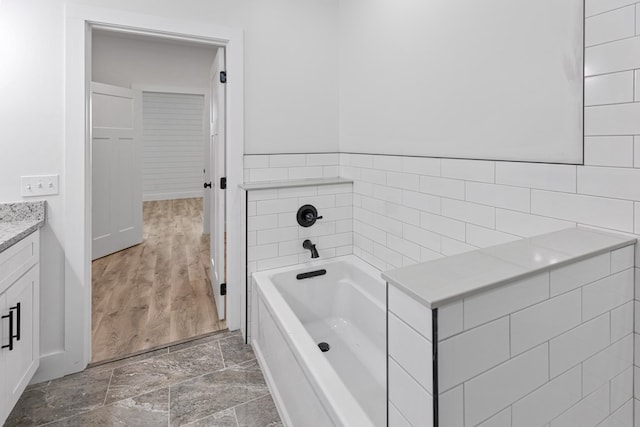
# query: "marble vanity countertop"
18, 220
445, 280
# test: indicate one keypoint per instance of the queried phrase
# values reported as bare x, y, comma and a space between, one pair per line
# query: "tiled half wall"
554, 349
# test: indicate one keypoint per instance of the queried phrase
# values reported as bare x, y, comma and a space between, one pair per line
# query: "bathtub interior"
339, 293
346, 309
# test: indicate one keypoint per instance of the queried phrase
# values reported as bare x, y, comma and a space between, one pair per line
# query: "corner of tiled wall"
636, 340
274, 238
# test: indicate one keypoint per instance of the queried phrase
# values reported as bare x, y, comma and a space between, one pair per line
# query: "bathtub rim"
333, 394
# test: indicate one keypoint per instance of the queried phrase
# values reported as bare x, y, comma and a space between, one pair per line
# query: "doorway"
157, 290
80, 19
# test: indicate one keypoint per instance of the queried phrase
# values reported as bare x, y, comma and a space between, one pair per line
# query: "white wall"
123, 60
32, 124
290, 66
497, 79
290, 72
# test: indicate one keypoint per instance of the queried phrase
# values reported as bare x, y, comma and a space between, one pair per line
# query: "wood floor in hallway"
157, 292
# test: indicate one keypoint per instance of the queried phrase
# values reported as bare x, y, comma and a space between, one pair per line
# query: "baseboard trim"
51, 367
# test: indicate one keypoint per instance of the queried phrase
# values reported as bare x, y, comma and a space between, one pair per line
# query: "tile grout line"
222, 356
607, 11
539, 345
106, 394
177, 383
231, 407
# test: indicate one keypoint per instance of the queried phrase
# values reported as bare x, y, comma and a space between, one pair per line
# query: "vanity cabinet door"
21, 361
20, 322
4, 340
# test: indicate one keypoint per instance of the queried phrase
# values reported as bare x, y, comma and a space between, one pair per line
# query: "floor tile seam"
38, 386
206, 373
83, 412
268, 393
221, 355
168, 386
235, 415
147, 391
62, 419
106, 393
245, 363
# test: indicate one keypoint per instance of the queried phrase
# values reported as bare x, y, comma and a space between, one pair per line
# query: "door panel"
218, 220
23, 360
116, 169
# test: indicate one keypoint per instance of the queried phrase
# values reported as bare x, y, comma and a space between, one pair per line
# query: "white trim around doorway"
77, 169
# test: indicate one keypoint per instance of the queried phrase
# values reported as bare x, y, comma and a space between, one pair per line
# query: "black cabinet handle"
10, 316
17, 309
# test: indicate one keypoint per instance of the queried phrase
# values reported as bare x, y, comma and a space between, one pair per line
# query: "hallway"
158, 292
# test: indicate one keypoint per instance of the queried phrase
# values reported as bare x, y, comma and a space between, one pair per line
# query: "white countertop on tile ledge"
264, 185
439, 282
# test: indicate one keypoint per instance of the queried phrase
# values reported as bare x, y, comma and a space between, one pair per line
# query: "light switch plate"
39, 185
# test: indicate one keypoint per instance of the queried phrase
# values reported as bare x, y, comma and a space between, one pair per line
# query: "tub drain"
324, 346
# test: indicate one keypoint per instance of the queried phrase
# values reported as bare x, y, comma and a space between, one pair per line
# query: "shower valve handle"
309, 216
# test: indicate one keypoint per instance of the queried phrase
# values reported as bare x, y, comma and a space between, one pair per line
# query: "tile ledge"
412, 280
265, 185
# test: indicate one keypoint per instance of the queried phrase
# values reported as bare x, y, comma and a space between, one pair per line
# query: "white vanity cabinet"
19, 325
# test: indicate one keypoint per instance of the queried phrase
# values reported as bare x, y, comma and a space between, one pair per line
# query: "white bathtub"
345, 386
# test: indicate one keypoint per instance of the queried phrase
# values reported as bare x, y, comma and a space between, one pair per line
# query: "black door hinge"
223, 288
223, 76
207, 185
223, 183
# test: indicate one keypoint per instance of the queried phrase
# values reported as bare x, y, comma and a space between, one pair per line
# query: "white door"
116, 203
218, 220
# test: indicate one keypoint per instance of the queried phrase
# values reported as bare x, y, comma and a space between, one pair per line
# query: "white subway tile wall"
463, 211
281, 167
520, 355
452, 215
410, 375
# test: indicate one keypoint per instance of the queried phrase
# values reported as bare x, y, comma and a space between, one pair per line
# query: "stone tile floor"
213, 381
